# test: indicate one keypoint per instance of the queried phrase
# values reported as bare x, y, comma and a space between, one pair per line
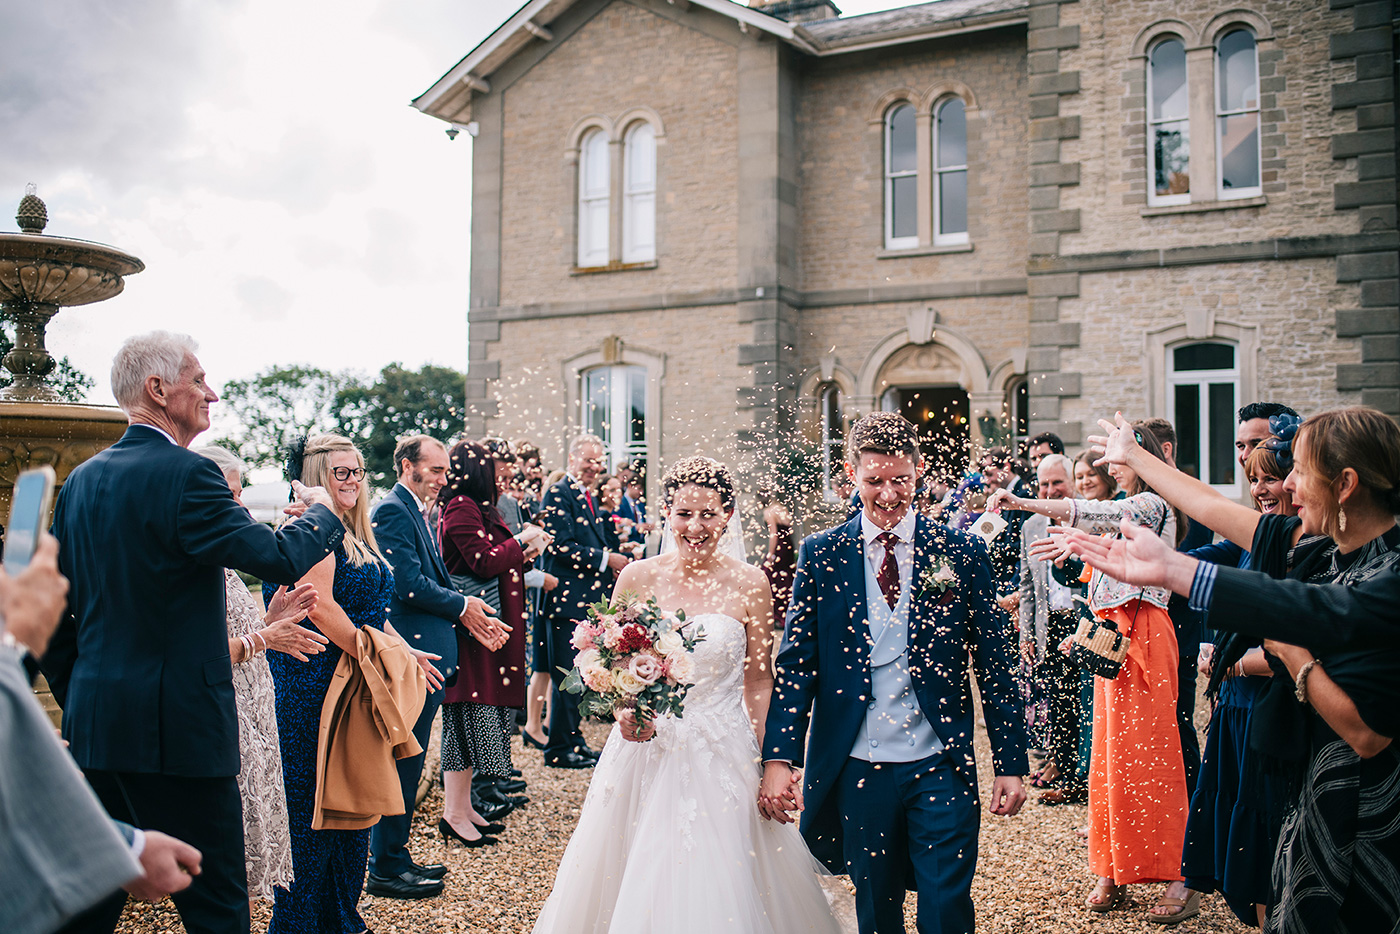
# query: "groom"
885, 612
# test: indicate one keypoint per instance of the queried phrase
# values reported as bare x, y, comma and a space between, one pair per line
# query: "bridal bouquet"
631, 653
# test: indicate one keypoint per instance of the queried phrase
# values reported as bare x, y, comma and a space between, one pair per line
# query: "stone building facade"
698, 225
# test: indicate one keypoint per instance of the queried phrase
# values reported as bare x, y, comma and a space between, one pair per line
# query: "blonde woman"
354, 586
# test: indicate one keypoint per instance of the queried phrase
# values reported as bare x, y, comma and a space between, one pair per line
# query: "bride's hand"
632, 731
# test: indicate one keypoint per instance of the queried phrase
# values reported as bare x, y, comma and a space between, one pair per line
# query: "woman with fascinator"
354, 586
668, 838
1325, 724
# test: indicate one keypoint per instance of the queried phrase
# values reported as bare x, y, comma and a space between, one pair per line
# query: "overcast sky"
261, 158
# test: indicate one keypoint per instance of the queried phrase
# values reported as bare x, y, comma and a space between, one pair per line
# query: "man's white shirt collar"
416, 501
904, 531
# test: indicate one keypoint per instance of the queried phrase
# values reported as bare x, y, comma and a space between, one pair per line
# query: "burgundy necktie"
889, 570
591, 508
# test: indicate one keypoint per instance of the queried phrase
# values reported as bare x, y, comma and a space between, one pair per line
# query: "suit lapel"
850, 553
424, 535
925, 545
591, 514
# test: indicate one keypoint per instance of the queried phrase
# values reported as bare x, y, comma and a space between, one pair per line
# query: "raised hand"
1004, 499
1051, 549
294, 605
1120, 442
311, 495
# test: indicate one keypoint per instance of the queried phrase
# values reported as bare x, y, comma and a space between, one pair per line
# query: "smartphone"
29, 516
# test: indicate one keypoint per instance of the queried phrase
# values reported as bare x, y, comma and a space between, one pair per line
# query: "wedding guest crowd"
217, 739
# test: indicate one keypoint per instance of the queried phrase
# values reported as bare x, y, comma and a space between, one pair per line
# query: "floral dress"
267, 849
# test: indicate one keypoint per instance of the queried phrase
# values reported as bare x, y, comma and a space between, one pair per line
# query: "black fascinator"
296, 453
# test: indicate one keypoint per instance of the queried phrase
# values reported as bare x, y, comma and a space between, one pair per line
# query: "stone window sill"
611, 267
1202, 206
930, 250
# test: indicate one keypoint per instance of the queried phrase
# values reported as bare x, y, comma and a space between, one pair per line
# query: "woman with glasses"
354, 586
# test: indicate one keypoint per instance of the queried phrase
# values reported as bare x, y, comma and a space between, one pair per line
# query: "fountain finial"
33, 215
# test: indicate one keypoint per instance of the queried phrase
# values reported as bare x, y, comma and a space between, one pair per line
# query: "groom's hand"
775, 795
1008, 794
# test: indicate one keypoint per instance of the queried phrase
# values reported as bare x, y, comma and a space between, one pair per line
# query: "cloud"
262, 298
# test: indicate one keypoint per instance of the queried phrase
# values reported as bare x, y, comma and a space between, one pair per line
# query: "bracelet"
1300, 689
258, 634
247, 648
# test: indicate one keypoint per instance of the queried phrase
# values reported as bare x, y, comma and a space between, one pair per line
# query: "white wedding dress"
670, 838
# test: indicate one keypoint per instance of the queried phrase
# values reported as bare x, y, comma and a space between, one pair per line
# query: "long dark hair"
471, 472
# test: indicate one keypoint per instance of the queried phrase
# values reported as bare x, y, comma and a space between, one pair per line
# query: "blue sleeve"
1224, 553
393, 527
994, 661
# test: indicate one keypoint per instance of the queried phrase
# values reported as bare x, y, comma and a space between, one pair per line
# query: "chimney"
796, 11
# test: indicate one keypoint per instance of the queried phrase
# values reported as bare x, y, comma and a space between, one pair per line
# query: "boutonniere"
938, 576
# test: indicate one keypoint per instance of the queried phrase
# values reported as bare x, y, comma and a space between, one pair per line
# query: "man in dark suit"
585, 567
886, 610
141, 662
425, 610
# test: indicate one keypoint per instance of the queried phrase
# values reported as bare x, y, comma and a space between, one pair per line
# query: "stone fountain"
39, 275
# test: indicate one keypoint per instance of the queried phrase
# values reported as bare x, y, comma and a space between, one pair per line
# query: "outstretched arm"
1191, 496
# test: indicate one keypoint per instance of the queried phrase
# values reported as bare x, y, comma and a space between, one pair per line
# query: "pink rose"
647, 668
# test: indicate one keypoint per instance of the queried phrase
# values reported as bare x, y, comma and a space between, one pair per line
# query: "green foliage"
71, 383
795, 474
431, 401
261, 415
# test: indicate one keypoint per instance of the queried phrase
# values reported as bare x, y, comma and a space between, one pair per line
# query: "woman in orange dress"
1138, 800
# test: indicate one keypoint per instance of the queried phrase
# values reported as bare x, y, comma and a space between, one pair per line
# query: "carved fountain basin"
60, 271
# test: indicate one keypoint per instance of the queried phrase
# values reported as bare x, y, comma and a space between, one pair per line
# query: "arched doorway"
927, 384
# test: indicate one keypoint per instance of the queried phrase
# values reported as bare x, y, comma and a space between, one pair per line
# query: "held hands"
170, 866
550, 582
1008, 794
284, 611
32, 603
780, 794
632, 731
480, 620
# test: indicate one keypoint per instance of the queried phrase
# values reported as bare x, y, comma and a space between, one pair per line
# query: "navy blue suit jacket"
425, 607
576, 558
141, 663
823, 670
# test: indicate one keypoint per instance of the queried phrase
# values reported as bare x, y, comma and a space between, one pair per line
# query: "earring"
1341, 519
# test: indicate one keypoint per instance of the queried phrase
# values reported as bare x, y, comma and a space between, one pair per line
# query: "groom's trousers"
900, 818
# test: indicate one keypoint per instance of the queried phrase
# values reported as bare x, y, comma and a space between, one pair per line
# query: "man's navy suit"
914, 812
577, 557
141, 664
424, 610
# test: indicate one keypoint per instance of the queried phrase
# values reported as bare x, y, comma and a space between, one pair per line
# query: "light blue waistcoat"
894, 729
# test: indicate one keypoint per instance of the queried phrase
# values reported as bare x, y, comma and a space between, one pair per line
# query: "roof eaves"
499, 41
938, 30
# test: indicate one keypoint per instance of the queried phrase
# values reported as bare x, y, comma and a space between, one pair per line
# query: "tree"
430, 401
71, 383
260, 416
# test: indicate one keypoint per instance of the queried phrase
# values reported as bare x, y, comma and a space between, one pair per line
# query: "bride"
670, 836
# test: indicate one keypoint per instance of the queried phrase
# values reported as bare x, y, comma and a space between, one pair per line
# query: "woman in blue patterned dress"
329, 864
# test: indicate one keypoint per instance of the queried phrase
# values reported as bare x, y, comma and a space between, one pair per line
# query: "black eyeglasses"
345, 473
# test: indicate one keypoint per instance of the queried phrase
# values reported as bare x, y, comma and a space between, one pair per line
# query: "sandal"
1187, 907
1116, 895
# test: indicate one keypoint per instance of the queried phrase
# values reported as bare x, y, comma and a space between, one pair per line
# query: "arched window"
1237, 115
1018, 410
950, 172
615, 409
594, 178
639, 194
833, 433
901, 179
1168, 136
1203, 390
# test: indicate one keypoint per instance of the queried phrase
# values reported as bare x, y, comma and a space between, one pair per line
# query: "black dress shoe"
491, 812
516, 773
510, 786
493, 795
405, 885
432, 871
449, 833
569, 760
584, 749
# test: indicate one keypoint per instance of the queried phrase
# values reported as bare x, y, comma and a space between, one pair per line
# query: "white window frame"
1154, 199
960, 236
592, 201
639, 195
1203, 380
891, 241
617, 448
833, 438
1233, 194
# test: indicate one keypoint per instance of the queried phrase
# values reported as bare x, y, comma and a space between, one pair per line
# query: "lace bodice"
714, 706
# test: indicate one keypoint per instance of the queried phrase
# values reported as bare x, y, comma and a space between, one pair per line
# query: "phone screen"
29, 513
